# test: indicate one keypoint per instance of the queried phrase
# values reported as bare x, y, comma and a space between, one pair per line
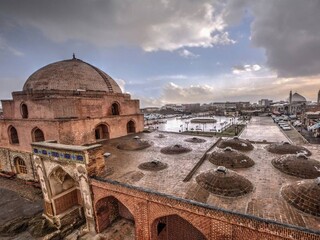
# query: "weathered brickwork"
211, 223
70, 102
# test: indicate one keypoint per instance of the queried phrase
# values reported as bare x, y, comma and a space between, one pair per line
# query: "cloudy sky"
163, 51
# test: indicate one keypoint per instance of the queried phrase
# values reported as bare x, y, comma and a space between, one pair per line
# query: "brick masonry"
148, 207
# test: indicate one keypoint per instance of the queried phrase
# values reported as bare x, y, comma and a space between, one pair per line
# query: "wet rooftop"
264, 201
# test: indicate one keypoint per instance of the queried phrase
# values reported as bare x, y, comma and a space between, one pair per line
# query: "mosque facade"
67, 102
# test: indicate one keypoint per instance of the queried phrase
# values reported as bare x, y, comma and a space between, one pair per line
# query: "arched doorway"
110, 211
101, 132
131, 127
115, 109
13, 135
64, 191
37, 135
20, 165
24, 110
173, 227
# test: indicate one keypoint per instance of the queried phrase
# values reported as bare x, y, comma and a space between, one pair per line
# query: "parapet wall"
147, 206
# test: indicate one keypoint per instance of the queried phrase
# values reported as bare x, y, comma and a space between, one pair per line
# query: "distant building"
265, 102
150, 110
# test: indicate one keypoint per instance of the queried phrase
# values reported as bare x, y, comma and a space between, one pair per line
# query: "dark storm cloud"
288, 30
152, 25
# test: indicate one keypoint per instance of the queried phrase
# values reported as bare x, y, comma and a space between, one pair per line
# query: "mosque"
73, 130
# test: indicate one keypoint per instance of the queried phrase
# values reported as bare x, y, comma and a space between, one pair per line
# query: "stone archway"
174, 227
109, 210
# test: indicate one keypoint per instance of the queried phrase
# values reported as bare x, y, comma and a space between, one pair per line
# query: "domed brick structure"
230, 158
304, 195
287, 148
236, 143
298, 165
175, 149
71, 102
71, 75
134, 144
195, 140
153, 166
224, 182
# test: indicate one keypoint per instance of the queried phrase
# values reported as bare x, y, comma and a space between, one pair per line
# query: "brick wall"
148, 207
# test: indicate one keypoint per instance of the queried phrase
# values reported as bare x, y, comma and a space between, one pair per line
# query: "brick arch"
174, 227
115, 108
101, 131
110, 208
131, 126
200, 223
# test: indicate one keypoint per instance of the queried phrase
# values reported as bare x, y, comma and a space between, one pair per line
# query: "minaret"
290, 97
318, 101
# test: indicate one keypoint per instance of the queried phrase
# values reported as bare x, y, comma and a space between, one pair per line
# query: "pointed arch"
174, 227
110, 209
37, 135
115, 108
24, 110
101, 131
131, 127
13, 135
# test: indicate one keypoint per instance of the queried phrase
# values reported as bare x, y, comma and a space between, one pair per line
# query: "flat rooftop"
265, 201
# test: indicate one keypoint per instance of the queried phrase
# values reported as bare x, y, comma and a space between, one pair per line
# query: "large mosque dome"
71, 75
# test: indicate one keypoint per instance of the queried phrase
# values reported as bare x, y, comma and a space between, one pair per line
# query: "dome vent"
304, 195
175, 149
236, 143
224, 182
231, 159
298, 165
195, 140
134, 144
287, 148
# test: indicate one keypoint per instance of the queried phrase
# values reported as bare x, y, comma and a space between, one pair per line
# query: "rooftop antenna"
73, 56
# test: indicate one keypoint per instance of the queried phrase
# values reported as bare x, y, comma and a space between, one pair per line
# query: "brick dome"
304, 195
71, 75
298, 165
224, 182
230, 158
287, 148
236, 143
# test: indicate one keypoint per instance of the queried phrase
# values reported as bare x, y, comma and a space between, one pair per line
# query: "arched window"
20, 165
101, 132
131, 127
13, 135
115, 109
24, 110
37, 135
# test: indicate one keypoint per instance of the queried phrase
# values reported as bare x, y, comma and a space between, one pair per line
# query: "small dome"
154, 165
225, 182
195, 140
133, 144
175, 149
231, 159
296, 97
236, 143
287, 148
298, 165
71, 75
304, 195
